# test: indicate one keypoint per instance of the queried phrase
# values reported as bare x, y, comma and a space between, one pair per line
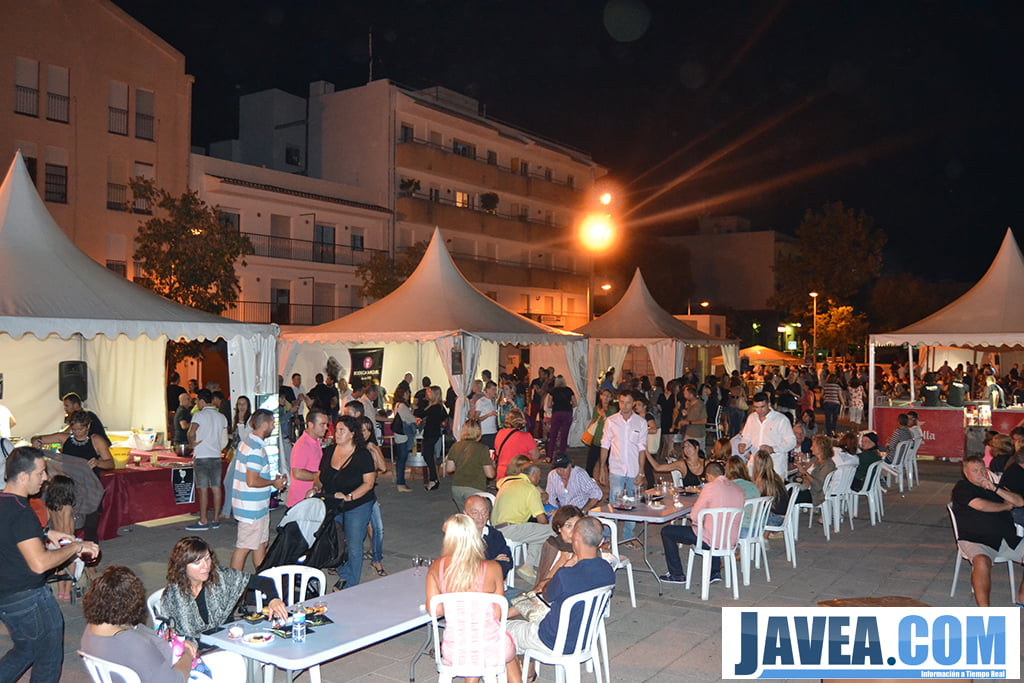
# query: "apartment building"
308, 236
92, 98
507, 201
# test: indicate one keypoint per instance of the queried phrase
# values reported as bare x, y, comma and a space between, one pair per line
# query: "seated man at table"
719, 492
900, 434
589, 572
1013, 480
868, 454
519, 514
985, 526
478, 508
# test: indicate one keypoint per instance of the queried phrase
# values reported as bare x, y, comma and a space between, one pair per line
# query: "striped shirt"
250, 504
580, 489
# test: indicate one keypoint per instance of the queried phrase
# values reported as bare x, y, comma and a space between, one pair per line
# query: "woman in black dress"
435, 417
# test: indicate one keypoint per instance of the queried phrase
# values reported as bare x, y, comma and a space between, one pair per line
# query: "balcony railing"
307, 250
144, 126
117, 197
520, 217
26, 100
117, 121
142, 206
286, 314
57, 107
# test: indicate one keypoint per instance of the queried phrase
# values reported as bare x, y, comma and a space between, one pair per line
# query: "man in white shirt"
208, 435
487, 412
767, 427
623, 452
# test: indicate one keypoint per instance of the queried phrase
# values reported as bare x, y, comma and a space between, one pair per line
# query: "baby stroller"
296, 534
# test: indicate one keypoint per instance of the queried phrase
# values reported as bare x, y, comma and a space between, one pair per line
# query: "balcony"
419, 208
420, 154
265, 312
26, 100
145, 126
117, 121
481, 270
307, 250
57, 107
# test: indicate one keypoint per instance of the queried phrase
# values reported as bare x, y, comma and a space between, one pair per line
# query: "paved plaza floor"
674, 637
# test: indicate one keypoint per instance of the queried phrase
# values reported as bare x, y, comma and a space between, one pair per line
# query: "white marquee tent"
638, 320
433, 314
988, 317
57, 304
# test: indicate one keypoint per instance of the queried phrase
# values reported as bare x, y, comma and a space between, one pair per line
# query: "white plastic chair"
620, 561
153, 607
517, 549
839, 495
824, 507
755, 514
789, 527
102, 671
960, 557
872, 490
898, 466
721, 544
912, 477
487, 663
713, 428
591, 606
677, 479
292, 582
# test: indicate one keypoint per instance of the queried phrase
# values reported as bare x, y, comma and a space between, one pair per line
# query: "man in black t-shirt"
27, 607
1013, 480
985, 527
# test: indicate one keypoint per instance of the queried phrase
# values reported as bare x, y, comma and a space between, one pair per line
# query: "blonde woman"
463, 569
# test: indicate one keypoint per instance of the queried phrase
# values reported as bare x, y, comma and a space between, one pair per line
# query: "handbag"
330, 549
590, 432
397, 426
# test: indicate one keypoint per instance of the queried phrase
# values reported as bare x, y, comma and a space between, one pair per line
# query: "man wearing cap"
867, 456
568, 485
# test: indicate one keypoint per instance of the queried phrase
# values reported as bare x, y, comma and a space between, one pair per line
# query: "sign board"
943, 429
183, 481
366, 364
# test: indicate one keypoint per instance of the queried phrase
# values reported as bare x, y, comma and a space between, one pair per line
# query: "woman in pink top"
514, 440
470, 630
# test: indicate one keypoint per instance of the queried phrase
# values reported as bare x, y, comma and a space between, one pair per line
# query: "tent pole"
871, 386
910, 369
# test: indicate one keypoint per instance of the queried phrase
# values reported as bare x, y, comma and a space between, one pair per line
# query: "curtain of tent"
576, 355
252, 365
731, 357
126, 381
703, 362
460, 383
31, 390
663, 358
608, 356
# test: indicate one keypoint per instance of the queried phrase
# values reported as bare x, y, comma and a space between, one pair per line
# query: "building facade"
507, 202
93, 98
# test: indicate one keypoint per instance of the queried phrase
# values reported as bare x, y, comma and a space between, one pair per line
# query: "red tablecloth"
140, 493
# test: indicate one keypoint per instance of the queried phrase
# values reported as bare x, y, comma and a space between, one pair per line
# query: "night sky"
907, 110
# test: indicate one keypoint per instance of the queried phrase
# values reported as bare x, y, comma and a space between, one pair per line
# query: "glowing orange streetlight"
597, 232
607, 287
605, 198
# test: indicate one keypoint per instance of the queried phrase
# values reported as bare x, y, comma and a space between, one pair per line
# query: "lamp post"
596, 234
814, 343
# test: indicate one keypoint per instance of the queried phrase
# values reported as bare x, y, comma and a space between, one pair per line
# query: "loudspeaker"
73, 375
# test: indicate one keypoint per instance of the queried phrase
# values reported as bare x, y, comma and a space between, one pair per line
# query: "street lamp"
814, 344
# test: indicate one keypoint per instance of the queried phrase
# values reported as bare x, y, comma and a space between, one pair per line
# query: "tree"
382, 275
899, 300
839, 328
838, 253
185, 252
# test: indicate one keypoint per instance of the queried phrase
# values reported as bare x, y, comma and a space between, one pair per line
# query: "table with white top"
363, 615
647, 515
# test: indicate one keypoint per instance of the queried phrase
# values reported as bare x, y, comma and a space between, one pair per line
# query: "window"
280, 302
145, 171
570, 181
406, 133
435, 138
323, 243
117, 108
280, 235
119, 267
293, 156
548, 218
549, 305
117, 185
463, 200
463, 149
524, 303
435, 194
145, 115
357, 239
323, 302
56, 183
547, 174
492, 157
524, 168
570, 305
30, 165
57, 100
26, 86
231, 218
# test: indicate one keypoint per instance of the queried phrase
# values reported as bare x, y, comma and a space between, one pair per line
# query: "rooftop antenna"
370, 39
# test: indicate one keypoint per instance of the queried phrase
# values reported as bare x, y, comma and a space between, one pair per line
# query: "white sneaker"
527, 574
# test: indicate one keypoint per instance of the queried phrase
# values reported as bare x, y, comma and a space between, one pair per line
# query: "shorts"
252, 535
526, 635
207, 473
970, 549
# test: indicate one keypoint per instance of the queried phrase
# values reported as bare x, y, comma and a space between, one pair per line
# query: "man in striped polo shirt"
250, 492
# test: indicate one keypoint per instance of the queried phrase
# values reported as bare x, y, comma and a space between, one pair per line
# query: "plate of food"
691, 490
258, 639
656, 505
625, 507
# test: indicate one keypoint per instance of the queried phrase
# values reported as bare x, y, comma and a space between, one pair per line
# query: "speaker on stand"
73, 376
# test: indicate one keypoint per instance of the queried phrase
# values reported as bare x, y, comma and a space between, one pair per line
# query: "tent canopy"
988, 316
57, 304
763, 355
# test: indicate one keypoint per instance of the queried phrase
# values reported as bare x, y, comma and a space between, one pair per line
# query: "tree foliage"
899, 300
185, 252
382, 275
838, 254
839, 328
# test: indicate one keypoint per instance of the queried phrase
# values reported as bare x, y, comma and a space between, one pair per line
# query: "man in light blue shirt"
250, 493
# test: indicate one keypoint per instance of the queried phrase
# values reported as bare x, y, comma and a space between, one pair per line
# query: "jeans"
354, 521
36, 626
558, 438
831, 411
377, 524
616, 483
401, 457
672, 535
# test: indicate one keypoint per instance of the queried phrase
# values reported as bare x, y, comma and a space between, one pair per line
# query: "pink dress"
470, 629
